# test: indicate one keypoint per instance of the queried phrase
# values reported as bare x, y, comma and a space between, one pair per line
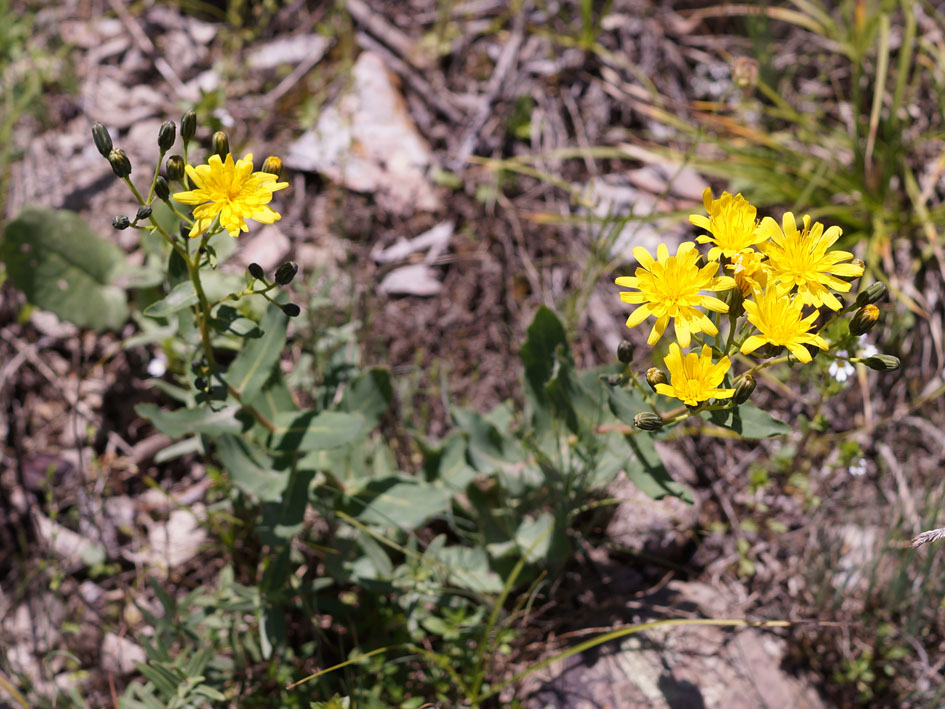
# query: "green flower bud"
161, 189
871, 295
200, 383
648, 421
768, 350
655, 376
166, 135
286, 272
103, 141
120, 163
624, 352
144, 211
864, 319
744, 386
256, 271
882, 363
121, 223
188, 125
220, 144
175, 168
273, 166
184, 229
291, 309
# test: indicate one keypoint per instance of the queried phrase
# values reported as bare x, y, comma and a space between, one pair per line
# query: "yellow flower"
731, 222
780, 321
749, 271
669, 288
234, 192
800, 258
695, 378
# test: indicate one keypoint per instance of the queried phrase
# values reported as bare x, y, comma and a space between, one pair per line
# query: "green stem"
157, 171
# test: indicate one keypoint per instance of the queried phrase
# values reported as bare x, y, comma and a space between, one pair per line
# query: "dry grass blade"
932, 535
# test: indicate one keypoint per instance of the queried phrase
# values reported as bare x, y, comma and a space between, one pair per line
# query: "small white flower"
157, 366
857, 468
868, 350
840, 369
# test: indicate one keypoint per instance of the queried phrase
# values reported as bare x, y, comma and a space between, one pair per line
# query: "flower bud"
768, 350
220, 144
655, 376
882, 363
161, 189
624, 352
744, 386
188, 125
166, 135
648, 421
200, 383
184, 229
273, 166
864, 320
120, 163
121, 222
871, 295
745, 73
286, 272
103, 141
175, 168
256, 271
291, 309
144, 211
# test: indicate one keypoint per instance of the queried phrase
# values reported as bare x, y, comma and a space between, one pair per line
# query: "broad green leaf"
283, 520
490, 451
469, 568
253, 366
251, 470
272, 629
453, 470
534, 536
545, 335
625, 403
369, 394
398, 502
748, 421
647, 472
185, 422
183, 295
275, 397
311, 431
62, 266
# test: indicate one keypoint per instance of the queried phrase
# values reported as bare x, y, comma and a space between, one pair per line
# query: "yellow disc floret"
231, 191
731, 222
695, 378
780, 321
670, 287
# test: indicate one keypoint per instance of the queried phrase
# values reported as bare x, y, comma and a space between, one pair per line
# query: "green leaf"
185, 422
454, 471
369, 394
183, 295
469, 568
311, 431
250, 469
400, 503
252, 367
534, 536
748, 421
647, 472
62, 266
545, 335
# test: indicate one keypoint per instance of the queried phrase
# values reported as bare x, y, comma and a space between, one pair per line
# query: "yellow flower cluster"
775, 271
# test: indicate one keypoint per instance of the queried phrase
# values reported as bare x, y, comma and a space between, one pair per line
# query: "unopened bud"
624, 352
144, 211
103, 141
175, 168
121, 222
200, 383
291, 309
220, 144
648, 421
768, 350
161, 189
166, 135
871, 295
188, 125
256, 271
745, 73
120, 163
882, 363
864, 320
655, 376
184, 229
286, 272
744, 386
273, 166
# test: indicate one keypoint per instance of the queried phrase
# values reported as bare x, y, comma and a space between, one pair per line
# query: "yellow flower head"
234, 192
731, 222
800, 258
749, 271
669, 287
780, 321
695, 378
